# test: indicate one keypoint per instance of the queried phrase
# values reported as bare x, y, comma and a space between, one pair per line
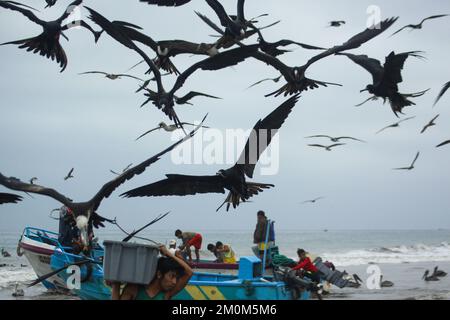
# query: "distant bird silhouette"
327, 148
443, 144
412, 164
427, 277
419, 26
47, 43
385, 283
69, 175
313, 200
167, 128
394, 125
112, 76
276, 80
386, 78
334, 139
126, 168
296, 76
429, 124
9, 198
232, 179
439, 273
166, 3
336, 23
443, 91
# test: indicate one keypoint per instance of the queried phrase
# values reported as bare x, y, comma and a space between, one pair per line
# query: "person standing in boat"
172, 275
259, 235
190, 239
68, 231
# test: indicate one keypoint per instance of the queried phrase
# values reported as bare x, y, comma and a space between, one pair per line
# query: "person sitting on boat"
219, 255
172, 275
190, 239
226, 251
307, 266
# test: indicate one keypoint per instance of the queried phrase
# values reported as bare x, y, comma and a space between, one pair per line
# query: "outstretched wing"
219, 61
434, 17
356, 41
135, 35
373, 66
167, 3
240, 10
129, 76
394, 65
15, 6
415, 159
264, 129
147, 132
208, 21
109, 187
117, 33
443, 91
220, 12
16, 184
403, 28
9, 198
179, 185
192, 94
93, 72
443, 144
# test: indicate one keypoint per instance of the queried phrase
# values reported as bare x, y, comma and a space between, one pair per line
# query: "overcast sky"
51, 121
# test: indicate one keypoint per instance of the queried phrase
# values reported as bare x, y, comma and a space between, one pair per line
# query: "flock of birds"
228, 51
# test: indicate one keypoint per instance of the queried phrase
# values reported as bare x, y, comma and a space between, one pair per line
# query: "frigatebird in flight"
419, 26
386, 78
327, 148
336, 23
296, 76
163, 100
334, 139
112, 76
167, 128
47, 43
394, 125
85, 213
232, 179
429, 124
412, 164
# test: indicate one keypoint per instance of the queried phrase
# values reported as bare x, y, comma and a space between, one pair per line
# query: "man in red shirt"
305, 264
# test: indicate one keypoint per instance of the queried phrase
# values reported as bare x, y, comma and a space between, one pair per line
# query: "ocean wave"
9, 276
396, 254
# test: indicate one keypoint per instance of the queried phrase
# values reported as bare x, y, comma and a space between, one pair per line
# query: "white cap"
172, 242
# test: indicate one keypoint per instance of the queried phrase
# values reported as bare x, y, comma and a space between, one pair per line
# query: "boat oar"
48, 275
134, 233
